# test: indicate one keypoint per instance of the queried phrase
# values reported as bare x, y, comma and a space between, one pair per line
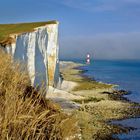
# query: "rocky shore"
94, 104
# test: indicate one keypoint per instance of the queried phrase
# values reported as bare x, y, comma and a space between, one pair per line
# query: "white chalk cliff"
39, 51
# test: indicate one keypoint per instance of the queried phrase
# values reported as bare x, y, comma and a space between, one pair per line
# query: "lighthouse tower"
88, 59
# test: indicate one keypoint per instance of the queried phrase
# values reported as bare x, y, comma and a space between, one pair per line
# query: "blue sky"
108, 29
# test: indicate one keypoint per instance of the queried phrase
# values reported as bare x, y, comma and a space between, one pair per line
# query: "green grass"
7, 29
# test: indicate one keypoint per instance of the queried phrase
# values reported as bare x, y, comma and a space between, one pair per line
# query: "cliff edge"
36, 45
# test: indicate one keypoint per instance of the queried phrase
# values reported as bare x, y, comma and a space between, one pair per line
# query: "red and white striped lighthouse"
88, 59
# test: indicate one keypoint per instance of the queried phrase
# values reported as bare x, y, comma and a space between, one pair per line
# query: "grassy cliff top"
8, 29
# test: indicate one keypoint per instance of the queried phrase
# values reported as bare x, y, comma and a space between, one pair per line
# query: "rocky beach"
95, 104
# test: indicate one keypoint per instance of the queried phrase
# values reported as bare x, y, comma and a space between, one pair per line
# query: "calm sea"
124, 73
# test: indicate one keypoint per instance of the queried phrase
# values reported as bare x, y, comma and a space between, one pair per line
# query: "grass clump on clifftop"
24, 114
7, 29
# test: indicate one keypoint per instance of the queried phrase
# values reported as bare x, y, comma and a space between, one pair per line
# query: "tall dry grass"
24, 114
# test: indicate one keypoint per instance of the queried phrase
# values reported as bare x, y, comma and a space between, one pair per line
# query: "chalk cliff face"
39, 51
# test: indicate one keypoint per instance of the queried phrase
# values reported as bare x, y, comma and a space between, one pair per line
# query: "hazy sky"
108, 29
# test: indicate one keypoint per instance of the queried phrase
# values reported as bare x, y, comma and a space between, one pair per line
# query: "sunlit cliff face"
39, 51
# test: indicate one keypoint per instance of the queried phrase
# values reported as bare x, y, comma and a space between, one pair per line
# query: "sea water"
126, 74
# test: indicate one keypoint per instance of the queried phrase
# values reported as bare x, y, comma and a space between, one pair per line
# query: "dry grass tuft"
24, 114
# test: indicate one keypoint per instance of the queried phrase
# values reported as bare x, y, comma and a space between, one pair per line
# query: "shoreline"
96, 104
122, 98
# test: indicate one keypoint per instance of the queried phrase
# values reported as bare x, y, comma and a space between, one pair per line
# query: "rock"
39, 51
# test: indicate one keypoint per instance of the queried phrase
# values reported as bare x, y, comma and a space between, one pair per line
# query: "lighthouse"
88, 59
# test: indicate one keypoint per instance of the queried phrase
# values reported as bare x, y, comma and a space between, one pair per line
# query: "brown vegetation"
24, 114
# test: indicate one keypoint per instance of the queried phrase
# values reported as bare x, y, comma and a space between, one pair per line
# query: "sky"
107, 29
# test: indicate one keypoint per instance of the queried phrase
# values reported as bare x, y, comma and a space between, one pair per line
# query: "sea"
124, 73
